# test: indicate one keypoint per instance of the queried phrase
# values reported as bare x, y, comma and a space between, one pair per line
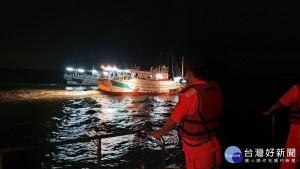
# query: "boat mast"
172, 68
182, 68
172, 55
93, 61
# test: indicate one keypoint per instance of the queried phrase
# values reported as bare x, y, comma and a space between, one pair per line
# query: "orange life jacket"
205, 122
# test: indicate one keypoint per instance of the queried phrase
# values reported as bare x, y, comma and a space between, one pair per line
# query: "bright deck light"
159, 76
183, 81
69, 69
177, 79
80, 70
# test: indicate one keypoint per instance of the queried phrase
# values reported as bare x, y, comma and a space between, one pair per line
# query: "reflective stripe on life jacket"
205, 122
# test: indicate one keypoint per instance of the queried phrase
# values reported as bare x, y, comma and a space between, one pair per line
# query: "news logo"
233, 154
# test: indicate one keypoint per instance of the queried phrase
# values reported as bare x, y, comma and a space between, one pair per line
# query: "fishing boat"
81, 77
139, 81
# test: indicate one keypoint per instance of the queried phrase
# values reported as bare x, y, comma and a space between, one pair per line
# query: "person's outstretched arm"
286, 100
275, 107
169, 125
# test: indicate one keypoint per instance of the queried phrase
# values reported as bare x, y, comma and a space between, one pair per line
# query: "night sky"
248, 36
254, 44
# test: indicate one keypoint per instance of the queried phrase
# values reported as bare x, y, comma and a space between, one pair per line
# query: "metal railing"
273, 137
98, 138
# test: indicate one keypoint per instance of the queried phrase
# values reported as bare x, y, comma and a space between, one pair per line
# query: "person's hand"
156, 134
268, 112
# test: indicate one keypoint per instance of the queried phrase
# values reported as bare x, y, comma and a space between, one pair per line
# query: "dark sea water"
49, 113
45, 114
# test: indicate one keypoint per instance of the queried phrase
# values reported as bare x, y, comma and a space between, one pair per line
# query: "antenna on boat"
124, 64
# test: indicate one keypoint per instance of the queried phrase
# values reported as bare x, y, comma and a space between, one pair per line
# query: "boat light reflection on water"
38, 94
106, 114
79, 114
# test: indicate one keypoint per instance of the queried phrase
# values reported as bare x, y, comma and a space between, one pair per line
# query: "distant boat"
81, 77
138, 81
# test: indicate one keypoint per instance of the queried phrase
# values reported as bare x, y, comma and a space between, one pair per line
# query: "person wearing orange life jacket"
290, 98
197, 113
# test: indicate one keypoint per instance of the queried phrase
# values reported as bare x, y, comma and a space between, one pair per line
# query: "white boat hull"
138, 86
